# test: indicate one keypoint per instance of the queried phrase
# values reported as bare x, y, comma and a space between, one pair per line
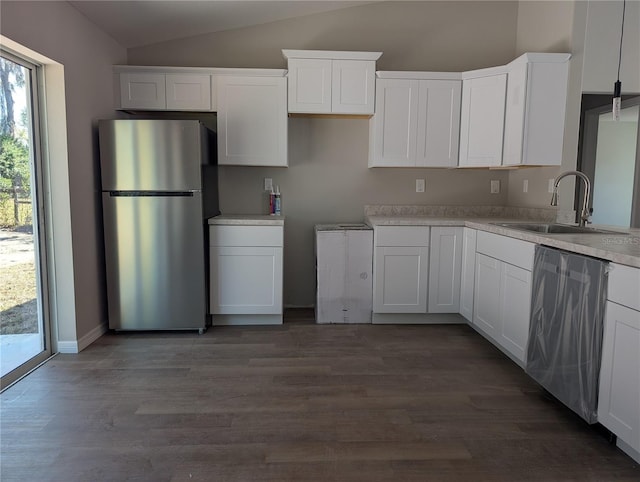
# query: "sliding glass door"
24, 329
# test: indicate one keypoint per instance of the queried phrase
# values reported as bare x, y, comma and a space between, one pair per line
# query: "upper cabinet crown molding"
330, 54
327, 82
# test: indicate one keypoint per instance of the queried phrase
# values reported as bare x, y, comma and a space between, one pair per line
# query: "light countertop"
623, 249
247, 220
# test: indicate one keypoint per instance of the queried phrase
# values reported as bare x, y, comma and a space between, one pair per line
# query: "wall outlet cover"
495, 187
551, 182
268, 184
420, 185
525, 185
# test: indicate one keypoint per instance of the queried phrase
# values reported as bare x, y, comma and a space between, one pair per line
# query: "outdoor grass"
7, 215
18, 308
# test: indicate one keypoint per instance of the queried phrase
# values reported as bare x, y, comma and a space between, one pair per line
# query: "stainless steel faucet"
584, 216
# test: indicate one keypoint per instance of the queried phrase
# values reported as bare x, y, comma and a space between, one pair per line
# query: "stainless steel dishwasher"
565, 334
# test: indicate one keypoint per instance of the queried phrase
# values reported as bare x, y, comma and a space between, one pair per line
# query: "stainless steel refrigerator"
152, 196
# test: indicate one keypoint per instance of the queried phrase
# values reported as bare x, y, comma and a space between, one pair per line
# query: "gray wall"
58, 31
328, 179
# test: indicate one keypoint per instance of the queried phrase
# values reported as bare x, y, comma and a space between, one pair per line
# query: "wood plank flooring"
300, 402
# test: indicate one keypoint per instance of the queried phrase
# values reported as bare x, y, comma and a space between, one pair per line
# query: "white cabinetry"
252, 121
245, 276
502, 293
535, 109
619, 396
164, 90
400, 269
324, 82
417, 120
467, 276
482, 118
444, 269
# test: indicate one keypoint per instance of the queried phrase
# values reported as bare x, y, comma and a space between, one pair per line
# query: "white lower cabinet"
619, 392
502, 292
400, 280
245, 276
467, 277
444, 269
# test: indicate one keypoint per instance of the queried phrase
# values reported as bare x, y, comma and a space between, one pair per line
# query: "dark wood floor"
299, 402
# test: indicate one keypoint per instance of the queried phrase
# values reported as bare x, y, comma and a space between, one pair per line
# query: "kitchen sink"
552, 228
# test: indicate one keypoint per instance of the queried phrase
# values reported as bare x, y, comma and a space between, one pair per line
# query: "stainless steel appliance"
565, 334
152, 197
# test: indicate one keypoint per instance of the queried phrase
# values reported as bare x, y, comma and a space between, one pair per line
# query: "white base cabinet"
467, 277
502, 293
444, 269
245, 275
619, 392
400, 269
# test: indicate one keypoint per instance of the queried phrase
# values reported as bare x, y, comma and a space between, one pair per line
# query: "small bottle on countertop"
272, 204
277, 202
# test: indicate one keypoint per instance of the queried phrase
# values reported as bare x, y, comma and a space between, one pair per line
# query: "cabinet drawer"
245, 236
510, 250
624, 286
402, 236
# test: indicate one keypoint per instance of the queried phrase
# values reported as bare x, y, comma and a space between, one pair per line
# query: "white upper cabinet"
142, 90
326, 82
252, 121
188, 92
310, 85
535, 109
417, 120
482, 118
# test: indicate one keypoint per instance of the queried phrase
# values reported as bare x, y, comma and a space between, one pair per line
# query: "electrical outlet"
525, 185
551, 182
495, 187
268, 184
419, 185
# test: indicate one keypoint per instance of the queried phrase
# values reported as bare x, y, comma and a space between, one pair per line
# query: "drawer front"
246, 236
510, 250
402, 236
624, 286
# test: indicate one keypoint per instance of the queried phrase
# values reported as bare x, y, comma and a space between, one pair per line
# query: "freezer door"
154, 253
151, 155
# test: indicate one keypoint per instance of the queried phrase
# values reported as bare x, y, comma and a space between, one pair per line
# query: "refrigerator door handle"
152, 193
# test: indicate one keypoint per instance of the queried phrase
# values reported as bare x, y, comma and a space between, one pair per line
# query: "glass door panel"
23, 333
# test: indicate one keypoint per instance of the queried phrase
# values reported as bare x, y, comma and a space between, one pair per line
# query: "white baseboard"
82, 343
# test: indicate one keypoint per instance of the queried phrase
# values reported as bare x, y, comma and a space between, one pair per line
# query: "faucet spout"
584, 215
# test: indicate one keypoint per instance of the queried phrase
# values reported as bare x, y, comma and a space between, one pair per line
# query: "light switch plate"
420, 185
495, 187
268, 184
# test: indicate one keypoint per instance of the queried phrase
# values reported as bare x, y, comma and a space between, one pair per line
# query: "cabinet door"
310, 85
515, 307
246, 280
393, 128
438, 123
444, 270
486, 301
482, 121
514, 114
400, 279
188, 92
468, 273
353, 86
142, 91
252, 121
619, 397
